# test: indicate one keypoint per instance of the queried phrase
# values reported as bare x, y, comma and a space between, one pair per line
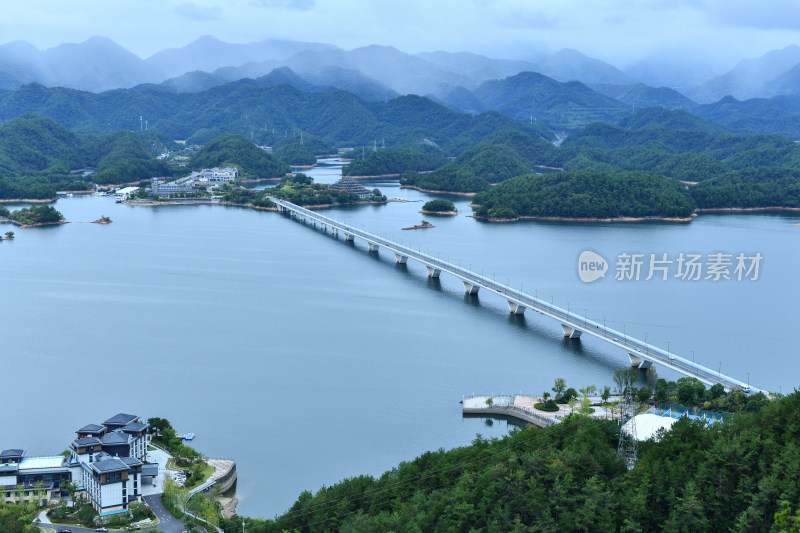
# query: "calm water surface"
310, 360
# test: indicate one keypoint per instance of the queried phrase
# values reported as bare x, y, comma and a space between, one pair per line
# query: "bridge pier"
373, 247
401, 259
348, 237
433, 272
637, 361
471, 288
571, 332
516, 309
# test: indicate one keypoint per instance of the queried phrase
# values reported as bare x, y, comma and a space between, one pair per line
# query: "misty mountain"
749, 78
778, 115
351, 81
460, 99
787, 83
191, 82
571, 65
675, 120
95, 64
209, 54
678, 69
639, 96
325, 79
404, 73
480, 68
562, 105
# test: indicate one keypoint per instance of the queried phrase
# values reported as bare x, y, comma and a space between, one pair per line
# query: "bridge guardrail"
647, 351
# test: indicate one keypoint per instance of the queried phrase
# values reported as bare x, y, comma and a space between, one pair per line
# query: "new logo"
591, 266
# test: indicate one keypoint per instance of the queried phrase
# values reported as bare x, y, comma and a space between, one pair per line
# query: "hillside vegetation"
37, 155
740, 475
586, 194
229, 150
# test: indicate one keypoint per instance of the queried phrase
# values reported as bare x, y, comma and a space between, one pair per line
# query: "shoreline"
420, 189
746, 209
685, 220
441, 213
27, 200
248, 206
379, 176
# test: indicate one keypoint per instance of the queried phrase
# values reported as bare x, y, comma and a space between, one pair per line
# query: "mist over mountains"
382, 72
564, 91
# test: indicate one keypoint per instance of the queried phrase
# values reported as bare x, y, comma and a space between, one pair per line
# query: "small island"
30, 217
439, 207
9, 235
102, 220
422, 225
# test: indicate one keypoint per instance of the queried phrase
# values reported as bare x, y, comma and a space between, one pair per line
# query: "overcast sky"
616, 31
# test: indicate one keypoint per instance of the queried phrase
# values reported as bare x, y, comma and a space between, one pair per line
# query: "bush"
548, 405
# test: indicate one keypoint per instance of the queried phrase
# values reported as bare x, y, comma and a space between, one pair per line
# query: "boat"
188, 436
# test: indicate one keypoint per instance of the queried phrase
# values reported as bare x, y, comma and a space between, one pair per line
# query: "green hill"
273, 114
235, 150
586, 194
737, 475
750, 188
561, 105
37, 155
394, 160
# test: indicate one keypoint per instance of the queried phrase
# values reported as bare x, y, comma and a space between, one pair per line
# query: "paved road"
167, 522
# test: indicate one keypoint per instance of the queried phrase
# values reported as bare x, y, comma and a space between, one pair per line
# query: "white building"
124, 193
219, 175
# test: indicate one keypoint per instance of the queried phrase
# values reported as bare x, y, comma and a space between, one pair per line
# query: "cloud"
295, 5
773, 15
191, 11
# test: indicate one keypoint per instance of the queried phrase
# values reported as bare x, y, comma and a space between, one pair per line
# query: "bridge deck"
631, 345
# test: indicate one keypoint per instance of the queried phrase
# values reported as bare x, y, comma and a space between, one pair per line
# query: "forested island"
43, 215
439, 207
586, 195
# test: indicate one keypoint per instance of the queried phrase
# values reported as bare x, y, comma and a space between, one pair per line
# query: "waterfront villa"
107, 463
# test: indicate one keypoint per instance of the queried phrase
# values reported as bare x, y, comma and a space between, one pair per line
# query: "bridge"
640, 353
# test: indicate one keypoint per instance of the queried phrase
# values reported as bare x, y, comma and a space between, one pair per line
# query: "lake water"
309, 360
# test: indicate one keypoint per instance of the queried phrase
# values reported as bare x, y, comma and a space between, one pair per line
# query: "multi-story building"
106, 462
160, 188
112, 483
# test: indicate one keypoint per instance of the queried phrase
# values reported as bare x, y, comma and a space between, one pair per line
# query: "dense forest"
750, 188
273, 115
38, 155
43, 214
235, 150
393, 160
738, 475
586, 194
295, 154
